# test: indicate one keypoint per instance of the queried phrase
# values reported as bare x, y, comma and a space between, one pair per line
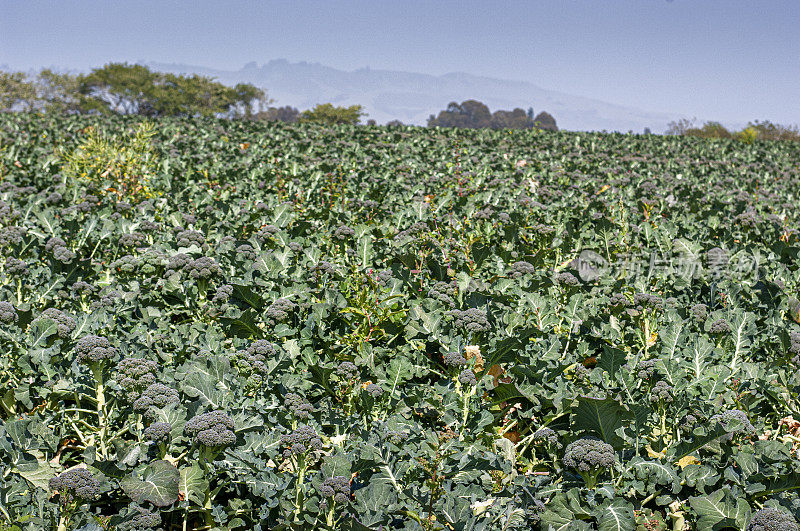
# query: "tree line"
473, 114
128, 89
134, 89
762, 130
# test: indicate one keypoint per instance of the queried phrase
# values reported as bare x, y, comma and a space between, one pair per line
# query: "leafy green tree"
545, 121
327, 113
119, 88
287, 114
16, 92
57, 92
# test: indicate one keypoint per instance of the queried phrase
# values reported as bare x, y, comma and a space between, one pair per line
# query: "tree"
279, 114
16, 92
516, 119
135, 89
471, 114
57, 92
327, 113
545, 121
120, 88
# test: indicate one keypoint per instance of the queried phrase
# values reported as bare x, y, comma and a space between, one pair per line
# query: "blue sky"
732, 60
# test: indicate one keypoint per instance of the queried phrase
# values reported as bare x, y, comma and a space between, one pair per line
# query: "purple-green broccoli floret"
136, 374
298, 406
8, 314
336, 487
347, 371
454, 359
374, 390
155, 396
76, 484
471, 320
661, 392
203, 267
467, 377
213, 429
590, 457
142, 520
735, 422
94, 349
546, 437
772, 519
302, 440
158, 432
720, 326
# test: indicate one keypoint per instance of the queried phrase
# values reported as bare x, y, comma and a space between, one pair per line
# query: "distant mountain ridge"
412, 97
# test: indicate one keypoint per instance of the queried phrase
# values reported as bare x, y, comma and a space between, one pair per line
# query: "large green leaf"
615, 516
158, 485
193, 483
720, 509
601, 417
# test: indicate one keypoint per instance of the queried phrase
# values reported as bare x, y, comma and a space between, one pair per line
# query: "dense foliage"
312, 327
473, 114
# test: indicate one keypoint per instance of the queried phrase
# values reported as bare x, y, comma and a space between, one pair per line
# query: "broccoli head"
347, 371
94, 349
65, 324
16, 267
471, 320
8, 314
546, 437
522, 268
298, 406
454, 359
250, 362
735, 422
646, 369
699, 311
343, 232
158, 432
590, 457
76, 484
279, 311
214, 429
771, 519
565, 278
136, 374
661, 392
140, 519
720, 326
203, 267
301, 441
336, 487
374, 390
156, 395
467, 377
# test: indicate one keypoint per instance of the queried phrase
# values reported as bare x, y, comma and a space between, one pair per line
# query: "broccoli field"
217, 324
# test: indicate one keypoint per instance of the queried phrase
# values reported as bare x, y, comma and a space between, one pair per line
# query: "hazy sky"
732, 60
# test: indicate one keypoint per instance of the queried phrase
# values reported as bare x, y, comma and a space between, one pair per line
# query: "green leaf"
193, 484
38, 472
720, 509
611, 360
159, 484
602, 417
616, 516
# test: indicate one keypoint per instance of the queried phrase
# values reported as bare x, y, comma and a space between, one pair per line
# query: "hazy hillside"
412, 97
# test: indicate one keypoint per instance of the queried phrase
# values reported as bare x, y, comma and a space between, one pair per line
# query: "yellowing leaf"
683, 462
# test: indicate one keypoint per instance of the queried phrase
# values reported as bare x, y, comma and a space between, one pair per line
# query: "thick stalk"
101, 410
298, 496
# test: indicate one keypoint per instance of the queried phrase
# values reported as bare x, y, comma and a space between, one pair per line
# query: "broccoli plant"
74, 487
590, 457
